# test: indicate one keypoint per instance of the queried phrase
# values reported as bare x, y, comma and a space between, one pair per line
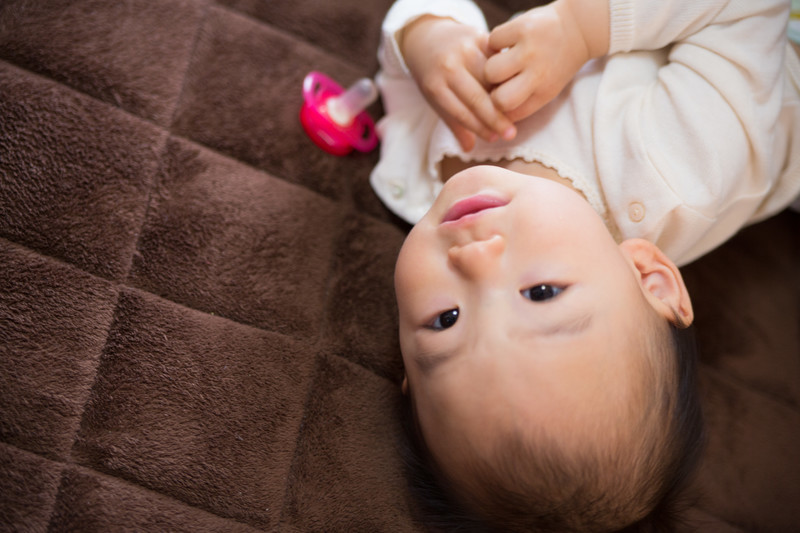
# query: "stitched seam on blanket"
118, 479
189, 57
280, 31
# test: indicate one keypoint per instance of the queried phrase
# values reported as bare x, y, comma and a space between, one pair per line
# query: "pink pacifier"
334, 118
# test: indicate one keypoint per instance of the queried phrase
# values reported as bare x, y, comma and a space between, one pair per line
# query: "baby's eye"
445, 320
541, 293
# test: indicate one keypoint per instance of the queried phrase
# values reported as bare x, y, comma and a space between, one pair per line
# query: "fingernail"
510, 133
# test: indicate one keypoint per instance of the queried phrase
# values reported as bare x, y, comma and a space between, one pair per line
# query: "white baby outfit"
687, 131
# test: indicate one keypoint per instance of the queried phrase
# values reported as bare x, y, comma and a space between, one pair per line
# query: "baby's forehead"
561, 438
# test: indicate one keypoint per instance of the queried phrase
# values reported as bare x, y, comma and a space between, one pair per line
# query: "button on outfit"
636, 212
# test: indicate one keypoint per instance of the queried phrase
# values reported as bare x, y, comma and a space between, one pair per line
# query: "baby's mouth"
472, 206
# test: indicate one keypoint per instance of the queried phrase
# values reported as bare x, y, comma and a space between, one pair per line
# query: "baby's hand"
447, 60
535, 55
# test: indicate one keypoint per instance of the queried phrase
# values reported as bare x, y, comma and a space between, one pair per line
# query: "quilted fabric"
197, 322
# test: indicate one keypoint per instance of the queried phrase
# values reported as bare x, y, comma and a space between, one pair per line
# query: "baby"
540, 355
543, 319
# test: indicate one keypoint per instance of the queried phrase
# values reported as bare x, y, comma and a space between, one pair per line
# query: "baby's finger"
514, 92
480, 105
502, 67
534, 103
482, 41
504, 36
465, 137
454, 111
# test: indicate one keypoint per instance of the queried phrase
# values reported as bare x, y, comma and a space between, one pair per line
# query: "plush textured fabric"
197, 323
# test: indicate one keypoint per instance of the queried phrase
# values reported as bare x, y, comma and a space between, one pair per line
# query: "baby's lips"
471, 206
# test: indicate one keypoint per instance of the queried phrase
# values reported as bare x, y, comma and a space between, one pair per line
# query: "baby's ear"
660, 280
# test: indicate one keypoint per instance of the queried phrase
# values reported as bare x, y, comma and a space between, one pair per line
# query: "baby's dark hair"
533, 485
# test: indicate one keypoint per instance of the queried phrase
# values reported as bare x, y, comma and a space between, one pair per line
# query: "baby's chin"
472, 179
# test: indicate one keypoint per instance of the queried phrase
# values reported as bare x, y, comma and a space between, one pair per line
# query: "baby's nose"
479, 258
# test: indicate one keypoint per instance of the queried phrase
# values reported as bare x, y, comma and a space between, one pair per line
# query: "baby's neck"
454, 165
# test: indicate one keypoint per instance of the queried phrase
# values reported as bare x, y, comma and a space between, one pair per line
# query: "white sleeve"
402, 177
684, 144
654, 24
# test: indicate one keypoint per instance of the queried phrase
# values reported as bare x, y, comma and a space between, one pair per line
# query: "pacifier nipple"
344, 108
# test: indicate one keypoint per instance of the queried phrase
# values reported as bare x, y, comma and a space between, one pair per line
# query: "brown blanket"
197, 323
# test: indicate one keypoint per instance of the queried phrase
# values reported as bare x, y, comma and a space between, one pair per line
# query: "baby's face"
516, 306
